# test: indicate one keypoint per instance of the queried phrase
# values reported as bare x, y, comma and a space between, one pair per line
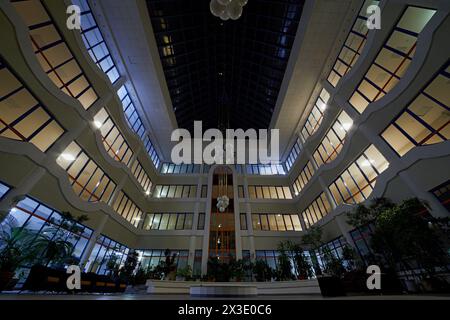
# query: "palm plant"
53, 247
15, 245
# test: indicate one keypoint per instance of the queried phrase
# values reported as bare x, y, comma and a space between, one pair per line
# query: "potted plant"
15, 244
237, 269
168, 266
262, 271
284, 270
302, 265
313, 240
129, 266
184, 274
401, 235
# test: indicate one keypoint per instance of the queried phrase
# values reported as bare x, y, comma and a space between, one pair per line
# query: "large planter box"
331, 286
46, 279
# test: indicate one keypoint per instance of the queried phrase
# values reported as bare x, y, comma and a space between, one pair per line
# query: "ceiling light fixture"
68, 157
98, 124
346, 126
227, 9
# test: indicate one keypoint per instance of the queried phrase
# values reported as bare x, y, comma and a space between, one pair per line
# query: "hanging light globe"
216, 8
224, 15
234, 10
224, 2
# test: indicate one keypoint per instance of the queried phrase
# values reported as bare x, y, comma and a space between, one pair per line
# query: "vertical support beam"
91, 244
237, 217
22, 189
341, 225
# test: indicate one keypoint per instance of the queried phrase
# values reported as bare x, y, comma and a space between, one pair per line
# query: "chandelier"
222, 203
227, 9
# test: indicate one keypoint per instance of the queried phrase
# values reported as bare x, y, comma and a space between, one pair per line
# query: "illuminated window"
353, 46
276, 222
94, 41
331, 145
114, 142
152, 152
318, 209
171, 168
128, 209
53, 53
22, 116
141, 176
201, 221
3, 190
105, 249
315, 116
356, 183
293, 155
33, 216
241, 192
426, 120
442, 193
269, 192
264, 169
131, 114
303, 178
151, 258
175, 191
168, 221
88, 181
393, 60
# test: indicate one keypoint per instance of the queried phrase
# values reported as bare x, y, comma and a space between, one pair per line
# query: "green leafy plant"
262, 271
313, 239
185, 273
218, 271
301, 263
333, 265
53, 248
284, 270
402, 233
15, 245
168, 266
237, 268
129, 266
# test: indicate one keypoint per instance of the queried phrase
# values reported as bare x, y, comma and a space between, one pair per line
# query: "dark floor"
187, 297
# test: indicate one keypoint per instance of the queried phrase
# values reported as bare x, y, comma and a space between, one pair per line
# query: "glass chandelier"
227, 9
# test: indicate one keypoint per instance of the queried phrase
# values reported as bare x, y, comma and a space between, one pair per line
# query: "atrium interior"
97, 95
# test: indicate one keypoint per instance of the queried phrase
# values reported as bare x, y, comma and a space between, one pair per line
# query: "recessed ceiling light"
346, 126
68, 157
98, 124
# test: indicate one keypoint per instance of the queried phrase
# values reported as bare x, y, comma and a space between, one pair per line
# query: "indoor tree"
313, 239
284, 270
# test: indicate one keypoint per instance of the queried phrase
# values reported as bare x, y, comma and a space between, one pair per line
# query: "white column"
91, 244
21, 190
341, 225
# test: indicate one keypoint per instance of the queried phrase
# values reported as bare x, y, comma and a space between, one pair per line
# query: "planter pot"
355, 282
435, 285
171, 276
411, 286
45, 279
331, 286
6, 279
